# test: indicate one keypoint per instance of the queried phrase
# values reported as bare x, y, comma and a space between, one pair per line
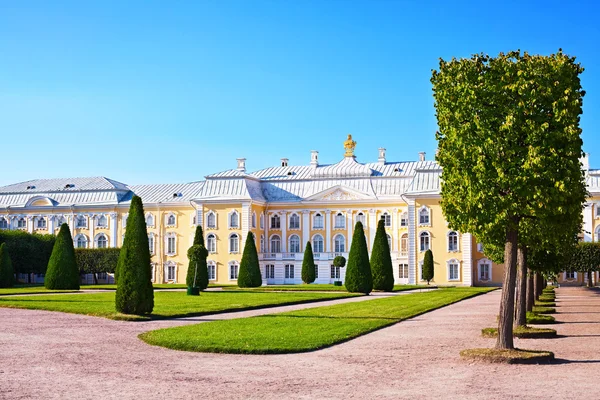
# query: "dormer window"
69, 186
31, 187
178, 194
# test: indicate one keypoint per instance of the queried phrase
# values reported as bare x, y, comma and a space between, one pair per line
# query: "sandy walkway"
54, 355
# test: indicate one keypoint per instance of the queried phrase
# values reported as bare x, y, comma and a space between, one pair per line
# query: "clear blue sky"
170, 91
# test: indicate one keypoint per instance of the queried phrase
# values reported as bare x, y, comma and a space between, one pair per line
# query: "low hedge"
29, 252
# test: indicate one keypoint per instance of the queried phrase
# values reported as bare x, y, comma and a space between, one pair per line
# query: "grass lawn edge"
526, 333
500, 356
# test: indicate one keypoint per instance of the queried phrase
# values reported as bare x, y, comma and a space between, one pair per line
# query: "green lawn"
168, 304
315, 287
30, 289
162, 286
304, 330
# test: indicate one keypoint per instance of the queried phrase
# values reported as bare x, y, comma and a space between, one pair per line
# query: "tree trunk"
536, 286
521, 303
95, 278
507, 303
530, 294
541, 285
590, 283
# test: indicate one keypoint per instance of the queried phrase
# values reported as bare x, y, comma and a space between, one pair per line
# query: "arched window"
40, 223
3, 223
318, 221
340, 221
453, 270
404, 244
80, 222
294, 221
275, 222
389, 239
262, 221
211, 243
101, 221
149, 220
212, 271
452, 241
360, 217
211, 220
234, 243
81, 241
21, 223
404, 219
151, 243
339, 243
294, 244
254, 220
171, 220
317, 244
234, 218
387, 219
171, 239
233, 270
424, 241
424, 217
275, 244
101, 241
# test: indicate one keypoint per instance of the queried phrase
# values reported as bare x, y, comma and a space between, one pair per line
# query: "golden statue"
349, 146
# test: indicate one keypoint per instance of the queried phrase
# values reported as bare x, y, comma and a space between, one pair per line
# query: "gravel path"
55, 355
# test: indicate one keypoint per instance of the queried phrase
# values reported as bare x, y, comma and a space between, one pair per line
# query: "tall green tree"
509, 145
249, 273
428, 266
135, 294
197, 273
62, 272
358, 272
381, 260
586, 259
308, 265
7, 274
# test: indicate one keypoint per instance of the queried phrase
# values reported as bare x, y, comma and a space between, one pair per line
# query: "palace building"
285, 207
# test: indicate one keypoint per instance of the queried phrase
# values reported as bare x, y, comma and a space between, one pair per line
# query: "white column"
71, 219
588, 222
467, 254
267, 224
113, 229
412, 248
305, 227
394, 230
92, 222
372, 228
284, 223
245, 223
328, 231
51, 220
29, 224
200, 215
349, 227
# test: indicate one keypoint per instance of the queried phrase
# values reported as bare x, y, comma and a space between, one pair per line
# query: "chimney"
314, 158
381, 158
585, 162
421, 156
241, 164
284, 162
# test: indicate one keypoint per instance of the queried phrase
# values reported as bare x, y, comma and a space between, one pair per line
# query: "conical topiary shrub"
308, 265
7, 274
197, 267
199, 236
249, 273
135, 294
381, 261
358, 271
62, 272
428, 266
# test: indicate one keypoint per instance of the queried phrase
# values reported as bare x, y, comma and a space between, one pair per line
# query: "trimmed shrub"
29, 252
199, 236
197, 274
339, 261
428, 266
7, 274
135, 294
62, 272
358, 273
381, 261
308, 265
249, 273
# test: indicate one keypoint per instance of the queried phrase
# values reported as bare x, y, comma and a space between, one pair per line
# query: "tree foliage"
358, 273
95, 261
7, 274
509, 144
197, 265
62, 272
29, 252
308, 265
381, 261
339, 261
585, 258
428, 266
249, 273
135, 294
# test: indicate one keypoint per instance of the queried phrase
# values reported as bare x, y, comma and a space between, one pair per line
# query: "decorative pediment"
339, 193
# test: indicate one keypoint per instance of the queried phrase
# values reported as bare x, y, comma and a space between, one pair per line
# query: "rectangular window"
289, 271
233, 271
171, 273
404, 220
453, 272
403, 271
335, 272
316, 272
570, 274
480, 247
212, 272
171, 245
387, 220
484, 272
269, 271
340, 221
102, 276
